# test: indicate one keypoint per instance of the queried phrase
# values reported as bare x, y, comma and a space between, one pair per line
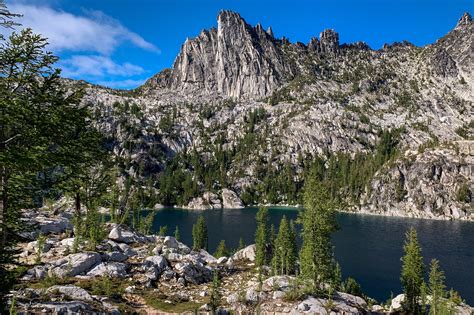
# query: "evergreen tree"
241, 244
261, 237
221, 250
318, 221
177, 235
200, 239
284, 256
43, 132
163, 230
437, 288
216, 295
412, 272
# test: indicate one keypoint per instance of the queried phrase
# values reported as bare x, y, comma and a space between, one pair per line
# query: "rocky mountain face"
266, 102
434, 183
235, 60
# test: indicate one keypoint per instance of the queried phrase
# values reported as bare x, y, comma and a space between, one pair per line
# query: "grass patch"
177, 304
105, 286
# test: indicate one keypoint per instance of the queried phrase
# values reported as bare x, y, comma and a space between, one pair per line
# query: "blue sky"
121, 43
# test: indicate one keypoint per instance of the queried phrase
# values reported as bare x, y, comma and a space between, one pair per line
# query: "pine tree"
200, 238
177, 235
412, 272
241, 244
284, 256
216, 295
437, 288
42, 134
261, 237
318, 221
221, 250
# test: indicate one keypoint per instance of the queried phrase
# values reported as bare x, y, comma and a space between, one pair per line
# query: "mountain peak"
230, 18
464, 21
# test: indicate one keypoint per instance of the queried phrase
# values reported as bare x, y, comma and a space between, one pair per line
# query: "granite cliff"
265, 102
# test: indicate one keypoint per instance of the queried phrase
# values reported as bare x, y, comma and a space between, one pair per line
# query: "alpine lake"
367, 247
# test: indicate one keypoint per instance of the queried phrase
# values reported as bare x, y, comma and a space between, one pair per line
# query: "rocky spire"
235, 60
270, 32
464, 22
314, 45
329, 42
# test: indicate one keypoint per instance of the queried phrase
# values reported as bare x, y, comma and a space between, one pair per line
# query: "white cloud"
93, 32
86, 66
123, 84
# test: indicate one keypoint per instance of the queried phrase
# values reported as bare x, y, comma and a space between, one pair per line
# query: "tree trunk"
78, 204
3, 207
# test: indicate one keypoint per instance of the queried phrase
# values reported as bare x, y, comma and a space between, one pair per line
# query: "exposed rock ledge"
209, 200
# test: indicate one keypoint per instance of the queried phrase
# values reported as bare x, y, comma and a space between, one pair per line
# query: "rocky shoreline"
148, 274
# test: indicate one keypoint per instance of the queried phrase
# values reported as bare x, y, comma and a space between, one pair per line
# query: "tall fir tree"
200, 237
437, 289
412, 272
318, 220
221, 250
43, 131
216, 294
261, 237
177, 235
285, 254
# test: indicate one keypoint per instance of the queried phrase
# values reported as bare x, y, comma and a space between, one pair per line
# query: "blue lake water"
368, 248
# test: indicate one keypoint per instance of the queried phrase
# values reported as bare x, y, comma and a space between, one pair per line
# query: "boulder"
206, 257
397, 303
247, 253
71, 291
277, 283
278, 295
159, 262
37, 272
193, 272
251, 295
75, 264
111, 269
170, 242
68, 242
64, 307
127, 250
168, 275
54, 225
174, 256
312, 306
116, 256
32, 247
351, 299
230, 200
122, 234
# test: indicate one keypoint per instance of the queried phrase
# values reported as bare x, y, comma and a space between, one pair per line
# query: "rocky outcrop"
123, 234
437, 183
71, 291
247, 253
208, 200
75, 264
230, 200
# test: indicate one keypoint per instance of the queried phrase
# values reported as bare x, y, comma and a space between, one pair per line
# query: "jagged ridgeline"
245, 115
